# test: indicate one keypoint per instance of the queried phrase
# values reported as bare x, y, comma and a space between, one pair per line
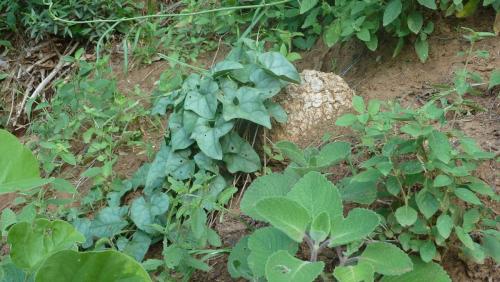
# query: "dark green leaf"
392, 11
278, 65
239, 154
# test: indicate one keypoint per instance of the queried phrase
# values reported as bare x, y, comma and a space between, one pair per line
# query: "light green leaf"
427, 203
271, 185
358, 224
422, 49
494, 78
292, 151
286, 215
143, 212
306, 5
346, 120
320, 227
317, 194
369, 175
198, 222
263, 243
442, 180
239, 154
278, 65
441, 149
282, 267
359, 192
386, 259
406, 215
392, 11
491, 246
464, 237
246, 103
32, 243
237, 262
203, 98
358, 104
19, 169
333, 153
431, 4
468, 196
421, 272
276, 111
415, 21
470, 218
361, 272
444, 225
63, 185
480, 187
207, 136
427, 251
101, 266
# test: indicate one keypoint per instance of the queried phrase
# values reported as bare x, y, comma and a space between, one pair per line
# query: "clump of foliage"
309, 209
35, 18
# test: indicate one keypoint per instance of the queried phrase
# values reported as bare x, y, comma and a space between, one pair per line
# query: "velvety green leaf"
246, 103
101, 266
263, 243
422, 49
306, 5
271, 185
468, 196
346, 120
285, 215
361, 272
386, 259
31, 243
282, 267
207, 136
442, 180
237, 262
392, 11
477, 185
320, 227
203, 99
317, 194
333, 153
198, 222
494, 78
421, 272
358, 224
143, 212
464, 237
369, 175
441, 149
431, 4
415, 21
358, 104
359, 192
444, 225
17, 165
427, 251
470, 218
411, 167
292, 151
393, 186
278, 65
427, 203
239, 154
491, 246
406, 215
109, 221
267, 83
9, 272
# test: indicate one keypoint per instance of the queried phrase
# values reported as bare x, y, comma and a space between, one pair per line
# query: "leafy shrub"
34, 16
309, 209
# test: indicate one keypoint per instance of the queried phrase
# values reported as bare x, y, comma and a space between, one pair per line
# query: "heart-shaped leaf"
282, 267
358, 224
207, 137
246, 103
361, 272
239, 155
109, 221
421, 272
278, 65
143, 212
386, 259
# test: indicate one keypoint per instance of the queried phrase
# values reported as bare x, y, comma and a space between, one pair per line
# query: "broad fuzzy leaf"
361, 272
431, 4
282, 267
406, 215
421, 272
292, 151
237, 262
317, 194
31, 243
286, 215
392, 11
101, 266
358, 224
180, 164
427, 203
272, 185
386, 259
441, 149
263, 243
157, 172
320, 227
427, 251
444, 225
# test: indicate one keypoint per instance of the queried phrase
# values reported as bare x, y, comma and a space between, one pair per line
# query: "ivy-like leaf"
278, 65
207, 137
179, 164
203, 98
109, 221
143, 212
237, 262
239, 154
246, 103
157, 172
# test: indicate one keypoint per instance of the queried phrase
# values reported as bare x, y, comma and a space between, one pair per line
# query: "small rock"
312, 107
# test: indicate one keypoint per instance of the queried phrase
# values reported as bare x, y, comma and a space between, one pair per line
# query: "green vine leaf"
207, 137
203, 98
143, 212
239, 154
278, 65
246, 103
